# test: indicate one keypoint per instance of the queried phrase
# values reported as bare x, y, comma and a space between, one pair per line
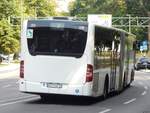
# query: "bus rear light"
89, 73
22, 69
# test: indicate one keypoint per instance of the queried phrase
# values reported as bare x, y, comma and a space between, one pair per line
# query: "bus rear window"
57, 41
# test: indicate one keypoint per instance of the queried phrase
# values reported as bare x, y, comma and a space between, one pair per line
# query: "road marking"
129, 101
145, 87
6, 86
105, 111
19, 101
144, 93
16, 99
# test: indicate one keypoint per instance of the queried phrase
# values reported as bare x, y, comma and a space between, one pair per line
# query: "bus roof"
45, 22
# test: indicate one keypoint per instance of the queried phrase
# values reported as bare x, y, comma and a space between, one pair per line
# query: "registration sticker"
29, 33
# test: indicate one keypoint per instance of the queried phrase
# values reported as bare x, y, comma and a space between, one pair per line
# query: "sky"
62, 5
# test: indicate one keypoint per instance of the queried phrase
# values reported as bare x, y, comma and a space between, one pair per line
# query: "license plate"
51, 85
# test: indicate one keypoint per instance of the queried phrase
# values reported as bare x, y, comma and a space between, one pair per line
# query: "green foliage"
8, 8
114, 7
40, 8
146, 4
16, 33
137, 7
83, 8
8, 44
140, 33
118, 8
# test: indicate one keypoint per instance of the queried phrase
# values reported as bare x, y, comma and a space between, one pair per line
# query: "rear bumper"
37, 88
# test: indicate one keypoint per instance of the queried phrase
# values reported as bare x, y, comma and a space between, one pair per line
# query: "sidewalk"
9, 68
9, 71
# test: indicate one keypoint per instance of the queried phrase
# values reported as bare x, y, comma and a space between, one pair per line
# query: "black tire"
132, 75
124, 83
105, 91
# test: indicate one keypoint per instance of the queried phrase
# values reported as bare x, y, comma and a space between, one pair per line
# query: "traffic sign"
29, 33
101, 19
145, 45
141, 48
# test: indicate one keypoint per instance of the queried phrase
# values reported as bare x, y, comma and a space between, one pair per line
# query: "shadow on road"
76, 100
67, 100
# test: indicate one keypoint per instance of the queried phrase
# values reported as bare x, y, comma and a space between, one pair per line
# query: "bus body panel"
42, 73
70, 72
98, 82
55, 69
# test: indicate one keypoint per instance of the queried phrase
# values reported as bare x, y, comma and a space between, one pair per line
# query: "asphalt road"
135, 99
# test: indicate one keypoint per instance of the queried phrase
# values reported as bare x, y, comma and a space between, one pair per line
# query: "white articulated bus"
74, 58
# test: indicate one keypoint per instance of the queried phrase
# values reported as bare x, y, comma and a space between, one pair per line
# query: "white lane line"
16, 99
144, 93
6, 86
105, 111
129, 101
145, 87
19, 101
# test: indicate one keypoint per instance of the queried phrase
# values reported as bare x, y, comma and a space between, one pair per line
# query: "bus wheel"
132, 75
132, 78
105, 92
124, 81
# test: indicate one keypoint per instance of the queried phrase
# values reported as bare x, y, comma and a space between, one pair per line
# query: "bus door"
126, 62
114, 64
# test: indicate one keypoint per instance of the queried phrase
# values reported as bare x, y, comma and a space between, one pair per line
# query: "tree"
116, 8
83, 8
40, 8
8, 37
140, 8
8, 44
8, 8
